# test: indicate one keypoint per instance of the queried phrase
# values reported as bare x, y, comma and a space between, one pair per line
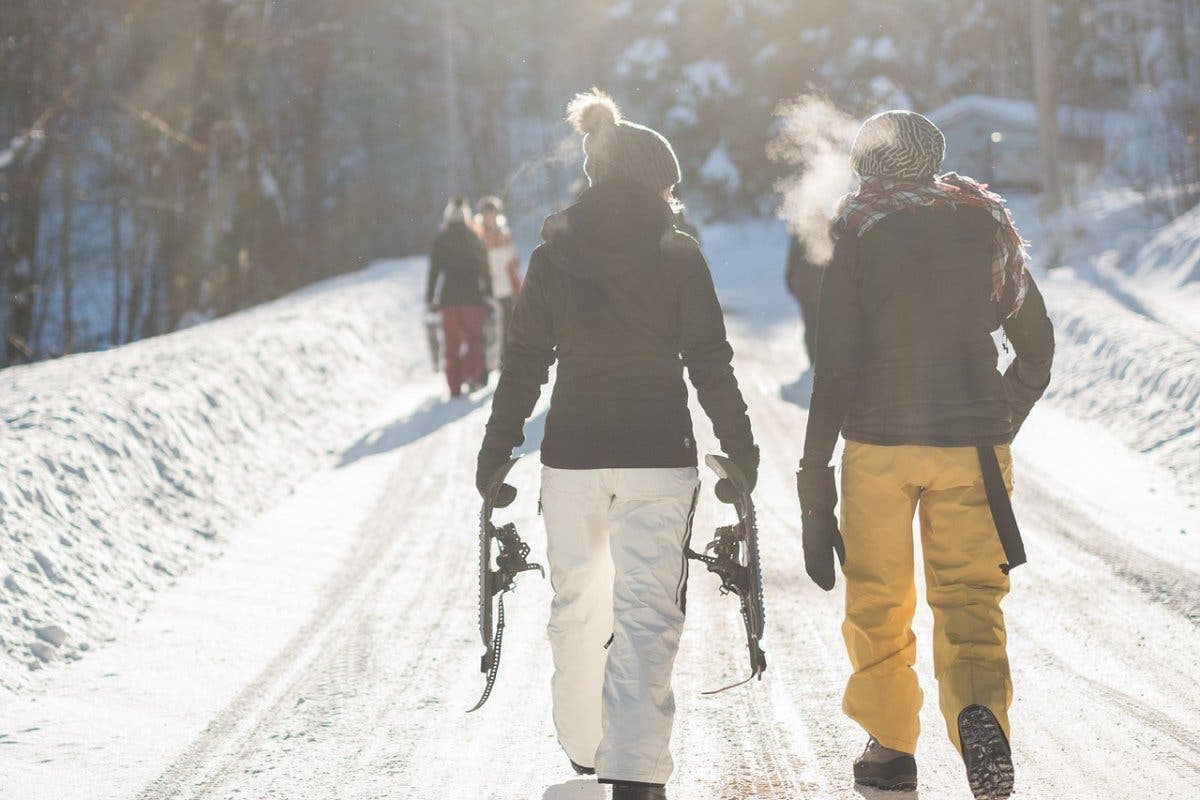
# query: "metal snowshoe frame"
511, 559
732, 556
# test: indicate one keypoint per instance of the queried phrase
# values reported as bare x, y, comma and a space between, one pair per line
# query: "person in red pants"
459, 281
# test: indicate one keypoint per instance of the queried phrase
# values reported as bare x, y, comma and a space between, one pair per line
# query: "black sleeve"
435, 269
839, 336
795, 257
1032, 337
526, 365
708, 357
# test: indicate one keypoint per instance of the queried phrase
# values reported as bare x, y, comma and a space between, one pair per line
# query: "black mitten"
725, 491
817, 489
490, 461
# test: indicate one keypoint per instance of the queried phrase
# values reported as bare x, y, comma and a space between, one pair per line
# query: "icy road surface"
332, 651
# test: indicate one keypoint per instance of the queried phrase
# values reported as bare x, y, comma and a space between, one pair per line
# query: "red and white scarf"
880, 197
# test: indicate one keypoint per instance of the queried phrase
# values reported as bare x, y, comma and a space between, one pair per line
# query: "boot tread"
986, 754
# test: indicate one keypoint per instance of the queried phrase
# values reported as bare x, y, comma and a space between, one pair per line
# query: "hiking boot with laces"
884, 768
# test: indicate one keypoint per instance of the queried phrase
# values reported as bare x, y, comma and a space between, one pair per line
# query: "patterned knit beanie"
616, 148
898, 144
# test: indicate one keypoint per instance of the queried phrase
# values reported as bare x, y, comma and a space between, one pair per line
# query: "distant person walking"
459, 281
503, 261
803, 279
925, 268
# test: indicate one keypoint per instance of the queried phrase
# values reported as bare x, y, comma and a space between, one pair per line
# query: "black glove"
490, 461
818, 497
725, 491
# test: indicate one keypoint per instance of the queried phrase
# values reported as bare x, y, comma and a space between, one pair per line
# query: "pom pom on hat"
591, 112
615, 148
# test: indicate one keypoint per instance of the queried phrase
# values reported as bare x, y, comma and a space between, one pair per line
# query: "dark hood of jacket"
613, 229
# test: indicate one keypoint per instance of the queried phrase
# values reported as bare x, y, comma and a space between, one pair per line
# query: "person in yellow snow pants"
883, 488
926, 268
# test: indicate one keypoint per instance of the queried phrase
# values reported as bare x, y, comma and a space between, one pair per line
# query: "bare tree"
1046, 85
65, 221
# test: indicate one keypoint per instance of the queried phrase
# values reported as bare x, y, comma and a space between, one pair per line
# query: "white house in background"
995, 140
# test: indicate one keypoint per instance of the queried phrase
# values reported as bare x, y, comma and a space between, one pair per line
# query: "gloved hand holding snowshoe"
489, 461
748, 463
818, 498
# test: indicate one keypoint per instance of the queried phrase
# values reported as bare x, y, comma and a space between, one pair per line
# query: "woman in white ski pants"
616, 540
624, 303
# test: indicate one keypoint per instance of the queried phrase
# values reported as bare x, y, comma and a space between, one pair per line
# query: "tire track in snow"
1170, 585
267, 701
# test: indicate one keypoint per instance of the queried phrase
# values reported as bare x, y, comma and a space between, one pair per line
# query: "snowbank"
1126, 310
1134, 375
1172, 257
120, 470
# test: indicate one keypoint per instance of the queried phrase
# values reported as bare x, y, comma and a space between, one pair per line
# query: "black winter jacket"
458, 268
905, 353
624, 303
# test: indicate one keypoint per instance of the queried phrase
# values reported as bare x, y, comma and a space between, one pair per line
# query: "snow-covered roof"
1073, 121
718, 169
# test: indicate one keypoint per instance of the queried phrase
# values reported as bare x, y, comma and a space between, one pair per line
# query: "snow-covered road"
332, 652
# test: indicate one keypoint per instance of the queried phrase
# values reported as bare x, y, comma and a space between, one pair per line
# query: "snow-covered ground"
121, 470
331, 650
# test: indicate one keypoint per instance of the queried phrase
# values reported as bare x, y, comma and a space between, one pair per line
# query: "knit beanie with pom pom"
615, 148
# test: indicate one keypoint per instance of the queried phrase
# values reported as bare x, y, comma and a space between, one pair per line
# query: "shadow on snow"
880, 794
799, 391
429, 418
580, 789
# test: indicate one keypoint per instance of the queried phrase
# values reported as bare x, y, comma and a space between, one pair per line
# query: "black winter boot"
884, 768
986, 753
638, 791
580, 769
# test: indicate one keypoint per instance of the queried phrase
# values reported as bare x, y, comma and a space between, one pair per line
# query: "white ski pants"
615, 542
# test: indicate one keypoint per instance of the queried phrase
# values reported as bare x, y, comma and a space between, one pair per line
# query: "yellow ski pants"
882, 488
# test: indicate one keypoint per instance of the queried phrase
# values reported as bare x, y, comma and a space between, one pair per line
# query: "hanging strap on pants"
1002, 511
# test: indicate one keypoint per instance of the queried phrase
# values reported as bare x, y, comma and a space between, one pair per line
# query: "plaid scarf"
878, 198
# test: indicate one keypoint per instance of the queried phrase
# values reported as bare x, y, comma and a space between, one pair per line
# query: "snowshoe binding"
511, 558
883, 768
732, 556
986, 754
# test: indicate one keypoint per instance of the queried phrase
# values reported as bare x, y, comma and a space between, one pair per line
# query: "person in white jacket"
503, 261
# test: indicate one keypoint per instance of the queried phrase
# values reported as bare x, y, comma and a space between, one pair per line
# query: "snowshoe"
511, 558
638, 791
986, 753
883, 768
580, 769
732, 556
